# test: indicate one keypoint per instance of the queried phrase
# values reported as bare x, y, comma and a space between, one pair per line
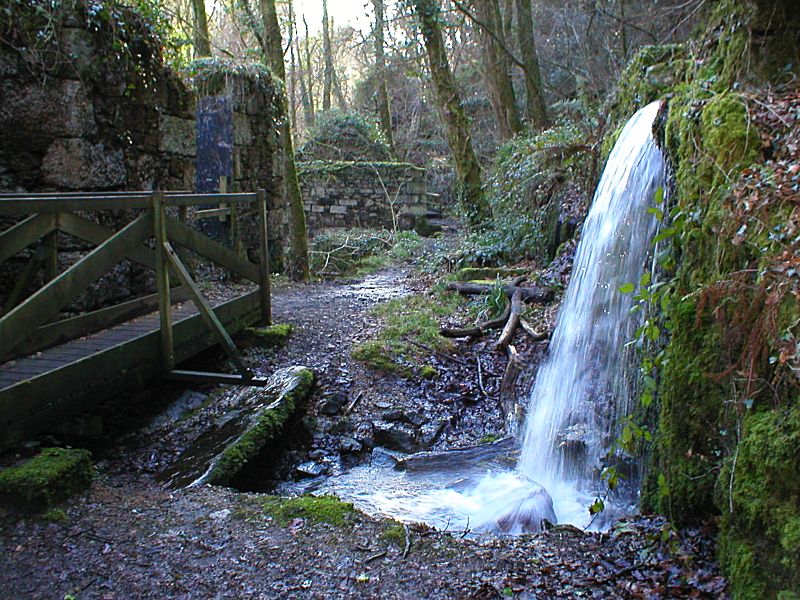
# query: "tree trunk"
327, 80
309, 73
200, 38
468, 169
305, 99
537, 109
292, 83
496, 64
297, 264
380, 68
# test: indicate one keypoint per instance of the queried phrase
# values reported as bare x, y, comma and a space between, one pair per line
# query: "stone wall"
357, 194
79, 114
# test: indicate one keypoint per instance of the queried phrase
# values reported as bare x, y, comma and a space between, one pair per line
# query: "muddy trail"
133, 536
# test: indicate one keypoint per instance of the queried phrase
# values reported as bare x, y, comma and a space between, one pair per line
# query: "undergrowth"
358, 252
410, 333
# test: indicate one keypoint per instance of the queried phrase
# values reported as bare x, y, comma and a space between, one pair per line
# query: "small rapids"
582, 390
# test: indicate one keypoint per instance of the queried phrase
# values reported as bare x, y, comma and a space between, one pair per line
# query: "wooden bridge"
53, 369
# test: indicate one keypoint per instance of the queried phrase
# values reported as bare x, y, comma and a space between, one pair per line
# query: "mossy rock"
48, 478
288, 389
315, 509
761, 544
272, 336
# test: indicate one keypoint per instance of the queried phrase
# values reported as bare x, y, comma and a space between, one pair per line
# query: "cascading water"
583, 388
581, 391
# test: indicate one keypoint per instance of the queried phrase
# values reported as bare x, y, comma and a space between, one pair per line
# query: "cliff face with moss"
727, 432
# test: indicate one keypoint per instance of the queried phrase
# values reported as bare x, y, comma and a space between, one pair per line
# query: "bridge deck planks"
51, 385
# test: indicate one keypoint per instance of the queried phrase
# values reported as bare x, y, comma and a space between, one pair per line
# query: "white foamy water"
585, 385
582, 390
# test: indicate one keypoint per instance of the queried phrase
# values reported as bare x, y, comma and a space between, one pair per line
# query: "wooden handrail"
11, 204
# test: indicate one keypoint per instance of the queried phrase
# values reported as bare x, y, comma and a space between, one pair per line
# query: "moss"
273, 336
410, 324
48, 478
266, 428
394, 534
489, 439
691, 405
428, 372
316, 509
761, 545
55, 515
650, 74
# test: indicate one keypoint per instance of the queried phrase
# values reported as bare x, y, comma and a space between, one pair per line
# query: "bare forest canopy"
344, 63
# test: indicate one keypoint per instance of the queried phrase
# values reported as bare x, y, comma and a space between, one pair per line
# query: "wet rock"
573, 442
384, 457
316, 455
333, 403
349, 445
310, 469
431, 432
395, 436
222, 452
528, 515
363, 433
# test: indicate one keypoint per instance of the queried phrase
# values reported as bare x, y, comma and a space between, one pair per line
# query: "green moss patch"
48, 478
410, 324
291, 390
394, 534
761, 545
316, 509
273, 336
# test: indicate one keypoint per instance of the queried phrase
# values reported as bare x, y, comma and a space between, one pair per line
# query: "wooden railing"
25, 324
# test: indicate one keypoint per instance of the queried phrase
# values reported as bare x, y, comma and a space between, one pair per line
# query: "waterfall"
584, 387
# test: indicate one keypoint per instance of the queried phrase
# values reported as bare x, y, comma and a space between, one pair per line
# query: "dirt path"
128, 537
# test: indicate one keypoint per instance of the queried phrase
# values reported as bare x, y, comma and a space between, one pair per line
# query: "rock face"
221, 452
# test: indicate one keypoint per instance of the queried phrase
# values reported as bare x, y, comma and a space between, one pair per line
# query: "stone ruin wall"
353, 194
93, 123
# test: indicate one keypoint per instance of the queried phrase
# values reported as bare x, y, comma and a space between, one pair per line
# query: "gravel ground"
131, 537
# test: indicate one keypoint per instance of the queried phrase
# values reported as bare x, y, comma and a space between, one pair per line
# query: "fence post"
263, 258
162, 282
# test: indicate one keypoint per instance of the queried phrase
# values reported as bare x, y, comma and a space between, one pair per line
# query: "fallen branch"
353, 403
534, 293
480, 376
374, 557
480, 329
508, 399
407, 544
536, 336
513, 320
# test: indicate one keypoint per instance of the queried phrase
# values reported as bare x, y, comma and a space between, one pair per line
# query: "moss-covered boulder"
258, 421
48, 478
